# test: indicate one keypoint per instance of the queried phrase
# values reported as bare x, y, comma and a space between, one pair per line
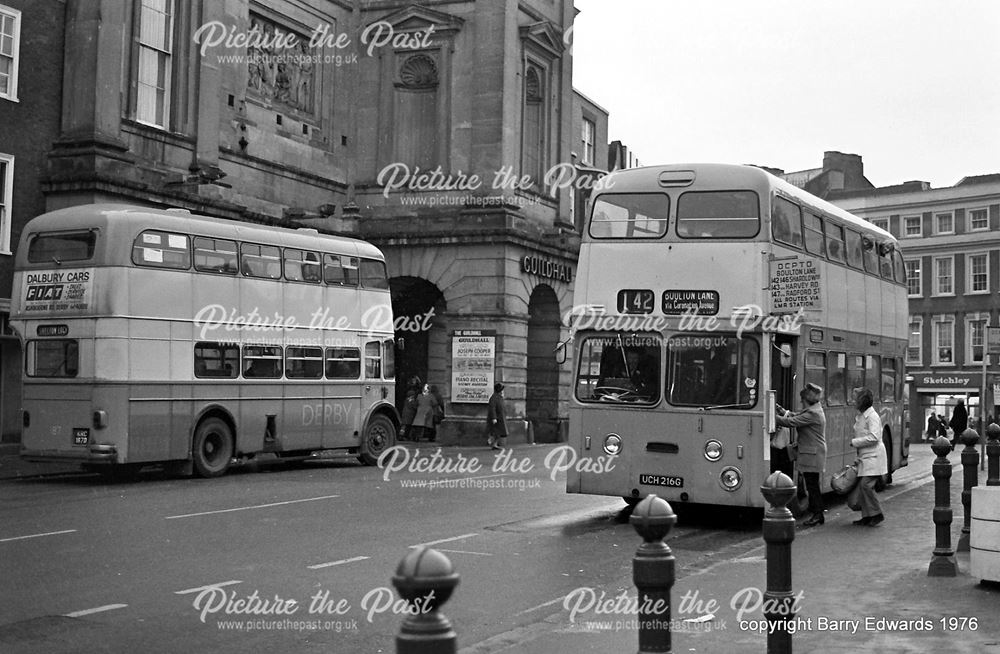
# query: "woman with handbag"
810, 425
872, 460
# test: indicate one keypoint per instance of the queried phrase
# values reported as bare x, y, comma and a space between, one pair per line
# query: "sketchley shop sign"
562, 272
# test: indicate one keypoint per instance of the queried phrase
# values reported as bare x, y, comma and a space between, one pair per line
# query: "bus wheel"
378, 437
212, 448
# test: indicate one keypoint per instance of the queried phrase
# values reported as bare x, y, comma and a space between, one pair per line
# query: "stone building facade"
445, 132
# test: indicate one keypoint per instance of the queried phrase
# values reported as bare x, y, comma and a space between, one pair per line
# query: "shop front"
940, 392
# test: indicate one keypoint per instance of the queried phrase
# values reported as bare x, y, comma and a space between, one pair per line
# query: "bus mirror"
770, 425
561, 353
785, 359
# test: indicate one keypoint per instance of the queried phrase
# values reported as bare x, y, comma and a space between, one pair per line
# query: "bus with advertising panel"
705, 296
159, 336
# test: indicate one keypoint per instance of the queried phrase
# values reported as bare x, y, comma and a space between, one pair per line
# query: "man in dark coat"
932, 426
959, 423
496, 420
810, 425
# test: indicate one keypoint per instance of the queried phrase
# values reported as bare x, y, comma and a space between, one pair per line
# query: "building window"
154, 65
944, 223
944, 340
944, 283
979, 220
589, 130
417, 120
976, 337
912, 226
533, 146
10, 44
913, 348
914, 287
6, 199
881, 223
979, 273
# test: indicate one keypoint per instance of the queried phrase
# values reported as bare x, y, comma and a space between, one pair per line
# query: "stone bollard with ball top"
970, 479
779, 532
943, 562
426, 579
653, 573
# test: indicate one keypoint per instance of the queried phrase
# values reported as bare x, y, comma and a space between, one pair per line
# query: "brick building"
950, 239
371, 118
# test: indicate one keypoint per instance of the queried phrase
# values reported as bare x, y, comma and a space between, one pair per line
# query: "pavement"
860, 589
841, 573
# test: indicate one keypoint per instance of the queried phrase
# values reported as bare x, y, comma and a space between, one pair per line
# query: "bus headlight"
731, 478
713, 450
613, 444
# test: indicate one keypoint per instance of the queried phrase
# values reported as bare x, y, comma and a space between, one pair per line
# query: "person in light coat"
810, 425
872, 459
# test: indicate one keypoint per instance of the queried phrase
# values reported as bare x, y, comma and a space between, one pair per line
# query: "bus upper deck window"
786, 222
373, 274
59, 247
718, 214
215, 255
630, 215
340, 270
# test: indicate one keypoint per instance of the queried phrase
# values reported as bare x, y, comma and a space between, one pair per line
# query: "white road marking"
247, 508
443, 540
542, 606
99, 609
333, 563
201, 588
48, 533
464, 552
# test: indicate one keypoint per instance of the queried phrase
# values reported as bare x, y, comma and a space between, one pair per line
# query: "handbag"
780, 438
844, 481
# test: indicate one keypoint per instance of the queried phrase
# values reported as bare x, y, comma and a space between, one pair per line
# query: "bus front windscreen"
712, 371
620, 368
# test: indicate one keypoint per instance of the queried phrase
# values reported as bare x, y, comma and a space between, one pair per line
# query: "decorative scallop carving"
419, 72
533, 85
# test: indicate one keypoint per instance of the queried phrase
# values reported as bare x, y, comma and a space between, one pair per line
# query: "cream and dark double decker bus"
158, 336
706, 295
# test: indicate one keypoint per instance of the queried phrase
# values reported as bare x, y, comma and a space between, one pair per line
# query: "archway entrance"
542, 392
415, 304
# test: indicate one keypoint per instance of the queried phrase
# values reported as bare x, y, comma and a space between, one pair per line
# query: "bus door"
783, 385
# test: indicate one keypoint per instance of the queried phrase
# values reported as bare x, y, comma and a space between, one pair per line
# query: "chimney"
850, 166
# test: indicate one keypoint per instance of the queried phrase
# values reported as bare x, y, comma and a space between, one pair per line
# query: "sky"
913, 86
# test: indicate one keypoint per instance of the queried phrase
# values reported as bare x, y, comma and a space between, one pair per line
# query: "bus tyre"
212, 448
379, 436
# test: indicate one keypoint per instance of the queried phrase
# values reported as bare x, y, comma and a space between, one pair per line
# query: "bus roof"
180, 220
732, 176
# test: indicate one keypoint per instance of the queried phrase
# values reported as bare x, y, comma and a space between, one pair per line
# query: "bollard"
425, 578
653, 572
970, 479
943, 562
993, 455
779, 532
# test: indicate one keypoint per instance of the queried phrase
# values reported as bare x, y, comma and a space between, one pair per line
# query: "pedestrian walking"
959, 422
407, 415
810, 426
496, 419
872, 461
438, 413
423, 421
932, 426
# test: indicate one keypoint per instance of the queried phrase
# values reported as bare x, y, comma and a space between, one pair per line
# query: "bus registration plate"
81, 435
661, 480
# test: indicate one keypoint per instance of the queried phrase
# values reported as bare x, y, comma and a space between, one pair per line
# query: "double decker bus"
705, 295
158, 336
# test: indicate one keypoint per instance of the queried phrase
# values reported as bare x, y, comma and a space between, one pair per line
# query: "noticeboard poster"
795, 284
473, 358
